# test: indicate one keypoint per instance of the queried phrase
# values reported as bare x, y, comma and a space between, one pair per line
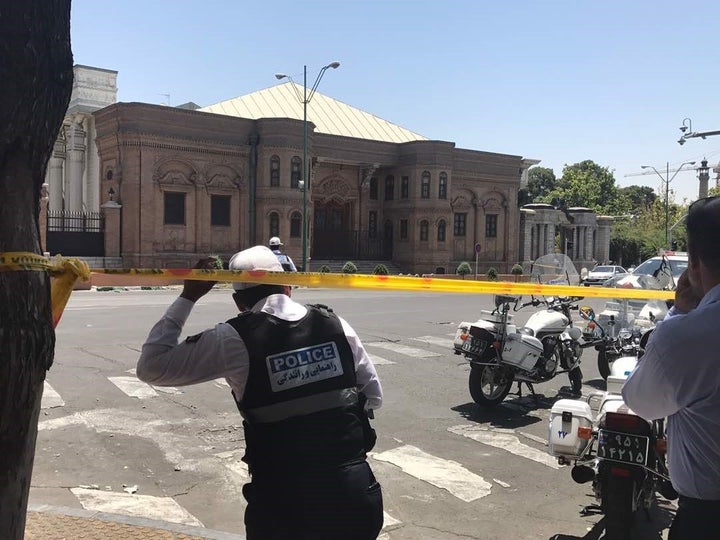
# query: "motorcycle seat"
527, 331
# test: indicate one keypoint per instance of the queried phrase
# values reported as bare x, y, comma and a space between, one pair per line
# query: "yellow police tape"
63, 271
66, 271
390, 283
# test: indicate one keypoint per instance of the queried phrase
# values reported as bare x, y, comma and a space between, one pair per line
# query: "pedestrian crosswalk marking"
439, 472
402, 349
379, 360
145, 506
505, 440
50, 398
133, 387
390, 522
434, 340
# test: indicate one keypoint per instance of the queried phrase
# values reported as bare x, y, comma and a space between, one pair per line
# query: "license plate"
623, 447
474, 346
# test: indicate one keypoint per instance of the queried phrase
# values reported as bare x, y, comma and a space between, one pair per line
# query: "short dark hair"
703, 232
251, 296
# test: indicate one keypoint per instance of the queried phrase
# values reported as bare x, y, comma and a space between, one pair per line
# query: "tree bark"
36, 72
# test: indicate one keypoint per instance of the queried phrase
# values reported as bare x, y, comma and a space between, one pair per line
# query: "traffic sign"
478, 248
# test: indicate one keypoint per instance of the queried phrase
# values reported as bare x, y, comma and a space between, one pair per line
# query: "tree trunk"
36, 74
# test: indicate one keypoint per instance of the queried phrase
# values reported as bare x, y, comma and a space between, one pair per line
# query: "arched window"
425, 185
295, 225
389, 188
442, 186
275, 171
274, 224
424, 226
295, 170
373, 189
441, 231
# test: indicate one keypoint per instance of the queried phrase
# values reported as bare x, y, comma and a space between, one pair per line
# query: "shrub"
517, 270
381, 270
349, 268
492, 274
464, 269
324, 269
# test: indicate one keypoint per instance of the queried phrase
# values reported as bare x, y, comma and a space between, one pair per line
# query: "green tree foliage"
324, 269
464, 269
586, 184
492, 274
517, 269
635, 199
541, 182
381, 270
349, 268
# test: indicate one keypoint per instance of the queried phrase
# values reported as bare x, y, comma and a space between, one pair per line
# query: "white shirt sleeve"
367, 378
651, 390
215, 353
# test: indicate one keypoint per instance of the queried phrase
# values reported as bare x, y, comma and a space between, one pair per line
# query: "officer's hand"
686, 298
193, 289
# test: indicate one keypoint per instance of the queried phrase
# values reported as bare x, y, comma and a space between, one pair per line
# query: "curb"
188, 530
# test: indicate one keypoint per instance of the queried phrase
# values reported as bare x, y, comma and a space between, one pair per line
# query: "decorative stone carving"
223, 176
366, 174
334, 187
175, 173
461, 203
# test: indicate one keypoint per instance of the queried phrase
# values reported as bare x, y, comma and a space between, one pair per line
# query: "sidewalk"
45, 522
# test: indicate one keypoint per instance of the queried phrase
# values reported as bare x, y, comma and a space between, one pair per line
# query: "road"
449, 469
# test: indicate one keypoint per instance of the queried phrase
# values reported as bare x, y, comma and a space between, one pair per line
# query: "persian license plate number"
623, 447
474, 346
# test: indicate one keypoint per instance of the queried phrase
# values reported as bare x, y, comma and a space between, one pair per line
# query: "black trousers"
344, 503
695, 519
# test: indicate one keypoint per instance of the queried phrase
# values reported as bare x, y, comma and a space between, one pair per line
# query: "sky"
560, 81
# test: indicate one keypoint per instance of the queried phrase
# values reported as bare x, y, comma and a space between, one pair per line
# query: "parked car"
600, 274
666, 267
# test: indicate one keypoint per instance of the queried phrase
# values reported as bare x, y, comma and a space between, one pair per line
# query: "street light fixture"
666, 179
688, 133
304, 183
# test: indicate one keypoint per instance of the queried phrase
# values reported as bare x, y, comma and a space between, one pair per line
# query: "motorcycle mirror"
587, 313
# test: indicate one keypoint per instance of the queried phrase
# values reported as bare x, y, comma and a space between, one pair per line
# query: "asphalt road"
449, 469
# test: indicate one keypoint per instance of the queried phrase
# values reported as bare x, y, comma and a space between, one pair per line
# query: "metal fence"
76, 233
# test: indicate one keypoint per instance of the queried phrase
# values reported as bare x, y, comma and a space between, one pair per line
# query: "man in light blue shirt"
679, 378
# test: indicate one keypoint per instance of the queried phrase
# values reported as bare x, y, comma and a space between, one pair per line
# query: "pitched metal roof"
329, 115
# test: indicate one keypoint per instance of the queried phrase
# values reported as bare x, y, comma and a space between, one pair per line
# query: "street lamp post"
666, 179
304, 183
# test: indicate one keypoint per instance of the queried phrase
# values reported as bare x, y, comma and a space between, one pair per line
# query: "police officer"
287, 263
305, 387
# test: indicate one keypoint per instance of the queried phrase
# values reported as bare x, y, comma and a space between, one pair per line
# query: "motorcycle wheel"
617, 503
603, 364
576, 378
488, 385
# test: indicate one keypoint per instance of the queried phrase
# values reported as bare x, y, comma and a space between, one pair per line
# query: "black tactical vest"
301, 406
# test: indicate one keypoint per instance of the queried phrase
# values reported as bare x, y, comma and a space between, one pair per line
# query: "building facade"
171, 184
189, 183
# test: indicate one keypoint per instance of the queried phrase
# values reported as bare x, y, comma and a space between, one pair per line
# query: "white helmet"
275, 242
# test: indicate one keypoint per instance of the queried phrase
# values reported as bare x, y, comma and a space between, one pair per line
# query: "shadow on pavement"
598, 384
645, 527
517, 411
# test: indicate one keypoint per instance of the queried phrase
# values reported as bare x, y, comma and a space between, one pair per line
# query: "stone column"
92, 170
74, 164
588, 244
111, 212
54, 176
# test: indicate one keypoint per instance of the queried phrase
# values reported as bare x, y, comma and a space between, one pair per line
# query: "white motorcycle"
622, 454
548, 345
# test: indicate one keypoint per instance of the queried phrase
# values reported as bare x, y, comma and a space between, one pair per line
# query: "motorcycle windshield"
554, 269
